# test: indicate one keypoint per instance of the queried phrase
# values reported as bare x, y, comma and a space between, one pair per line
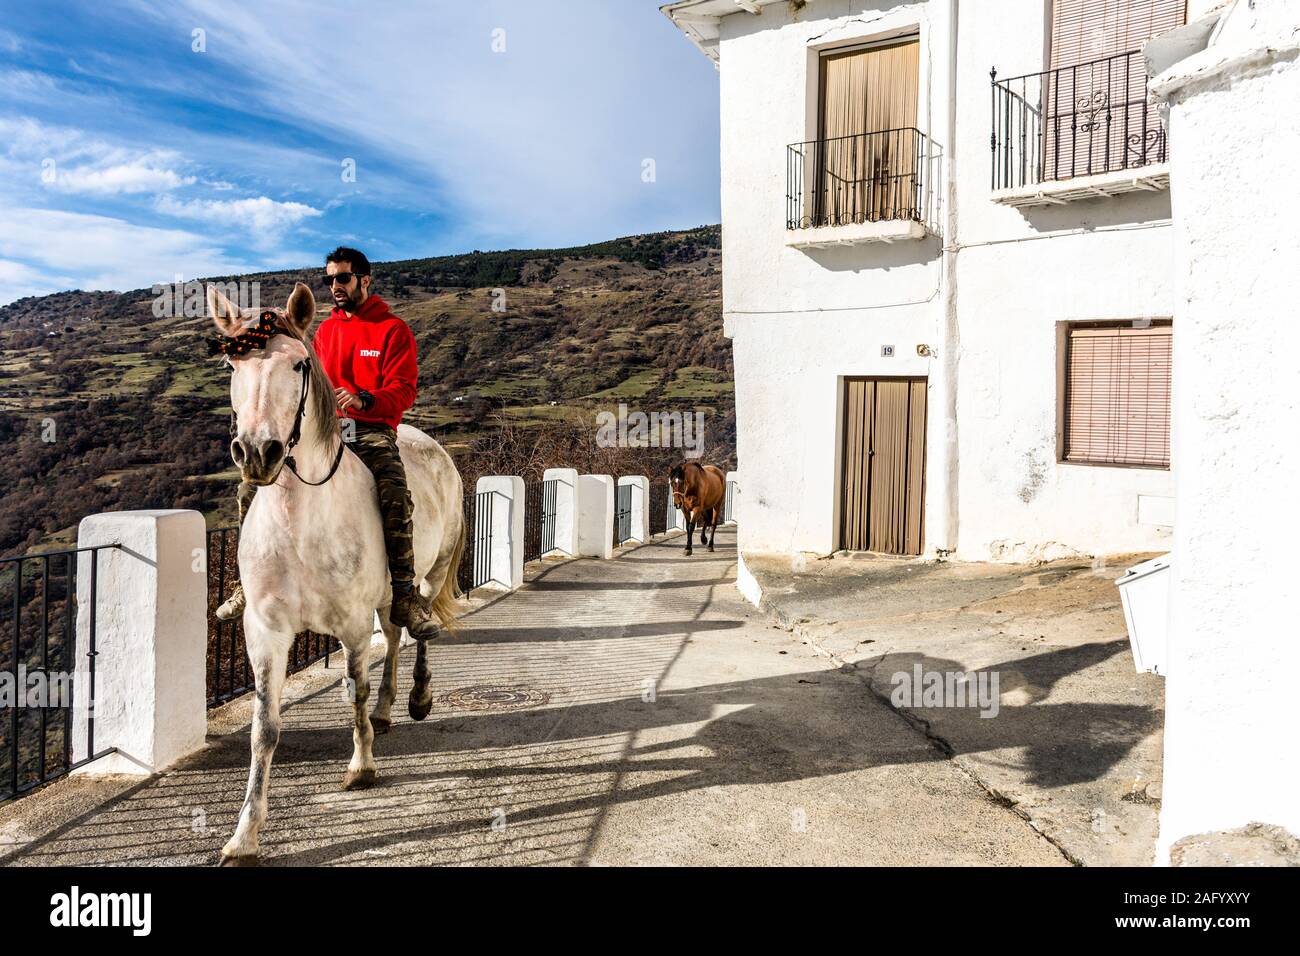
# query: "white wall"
640, 518
150, 639
595, 521
1020, 274
566, 508
506, 561
801, 320
1230, 694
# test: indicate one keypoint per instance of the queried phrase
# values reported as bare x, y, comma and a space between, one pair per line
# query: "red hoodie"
372, 351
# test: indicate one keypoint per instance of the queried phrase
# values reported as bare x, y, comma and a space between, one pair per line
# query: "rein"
304, 366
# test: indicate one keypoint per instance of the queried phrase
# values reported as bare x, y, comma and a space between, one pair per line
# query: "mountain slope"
105, 406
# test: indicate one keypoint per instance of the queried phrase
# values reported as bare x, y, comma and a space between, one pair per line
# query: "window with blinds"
1096, 114
1117, 385
1086, 30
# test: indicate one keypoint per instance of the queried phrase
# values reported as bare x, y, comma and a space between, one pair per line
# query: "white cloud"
263, 218
48, 249
543, 142
70, 161
138, 176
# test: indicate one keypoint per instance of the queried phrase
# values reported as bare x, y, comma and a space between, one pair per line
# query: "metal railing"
622, 513
661, 508
533, 494
540, 506
229, 672
476, 563
550, 509
1074, 121
728, 514
40, 641
465, 573
864, 177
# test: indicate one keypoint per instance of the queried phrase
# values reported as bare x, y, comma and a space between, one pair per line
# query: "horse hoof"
227, 860
710, 549
362, 779
419, 709
380, 725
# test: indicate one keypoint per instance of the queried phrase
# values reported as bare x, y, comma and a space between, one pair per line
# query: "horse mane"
322, 410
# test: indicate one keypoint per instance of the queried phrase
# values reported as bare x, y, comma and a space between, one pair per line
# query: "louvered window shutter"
1117, 393
1086, 30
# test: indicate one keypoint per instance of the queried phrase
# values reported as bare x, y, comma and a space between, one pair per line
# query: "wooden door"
882, 487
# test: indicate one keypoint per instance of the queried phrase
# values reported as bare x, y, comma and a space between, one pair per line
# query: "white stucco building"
1231, 775
1003, 336
949, 295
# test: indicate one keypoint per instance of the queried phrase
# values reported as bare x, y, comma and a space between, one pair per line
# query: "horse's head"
677, 481
266, 383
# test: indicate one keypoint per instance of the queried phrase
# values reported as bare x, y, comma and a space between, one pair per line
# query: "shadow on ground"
662, 720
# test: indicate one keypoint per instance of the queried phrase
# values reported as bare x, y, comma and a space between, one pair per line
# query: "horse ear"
225, 314
301, 309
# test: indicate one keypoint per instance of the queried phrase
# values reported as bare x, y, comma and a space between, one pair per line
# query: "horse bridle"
304, 367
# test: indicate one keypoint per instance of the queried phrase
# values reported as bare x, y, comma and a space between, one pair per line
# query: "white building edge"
1001, 290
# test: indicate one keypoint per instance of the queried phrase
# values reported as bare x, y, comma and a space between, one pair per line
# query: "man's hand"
345, 399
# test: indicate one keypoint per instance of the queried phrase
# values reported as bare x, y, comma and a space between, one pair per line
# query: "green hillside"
105, 406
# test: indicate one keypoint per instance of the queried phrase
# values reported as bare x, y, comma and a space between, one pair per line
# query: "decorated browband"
255, 337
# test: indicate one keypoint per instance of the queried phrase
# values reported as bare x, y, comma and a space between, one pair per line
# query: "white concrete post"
150, 640
733, 489
595, 516
640, 485
506, 563
566, 508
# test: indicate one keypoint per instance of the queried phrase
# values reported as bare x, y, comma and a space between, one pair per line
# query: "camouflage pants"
376, 446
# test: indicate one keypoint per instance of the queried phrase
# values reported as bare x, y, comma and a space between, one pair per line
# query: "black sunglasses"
343, 277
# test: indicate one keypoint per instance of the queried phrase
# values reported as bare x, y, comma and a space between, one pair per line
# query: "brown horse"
698, 491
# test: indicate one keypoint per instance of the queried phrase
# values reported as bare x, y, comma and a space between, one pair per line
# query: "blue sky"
128, 158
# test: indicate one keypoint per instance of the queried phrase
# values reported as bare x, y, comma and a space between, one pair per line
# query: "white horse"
311, 550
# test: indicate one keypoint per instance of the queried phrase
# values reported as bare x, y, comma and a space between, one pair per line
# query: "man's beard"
351, 303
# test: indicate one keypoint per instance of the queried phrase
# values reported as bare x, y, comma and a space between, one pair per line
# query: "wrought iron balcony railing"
1074, 121
863, 177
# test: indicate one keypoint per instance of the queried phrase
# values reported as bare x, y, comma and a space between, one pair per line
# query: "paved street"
634, 711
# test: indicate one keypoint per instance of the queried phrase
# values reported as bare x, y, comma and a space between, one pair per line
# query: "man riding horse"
369, 355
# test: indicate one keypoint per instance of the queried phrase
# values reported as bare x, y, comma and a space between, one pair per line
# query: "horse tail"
444, 602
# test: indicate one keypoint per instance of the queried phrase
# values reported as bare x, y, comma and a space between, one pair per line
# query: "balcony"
1077, 132
866, 187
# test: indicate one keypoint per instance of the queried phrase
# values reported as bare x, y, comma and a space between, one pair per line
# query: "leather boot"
408, 611
234, 605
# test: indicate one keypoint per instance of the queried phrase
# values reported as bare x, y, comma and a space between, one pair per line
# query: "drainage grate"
494, 697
